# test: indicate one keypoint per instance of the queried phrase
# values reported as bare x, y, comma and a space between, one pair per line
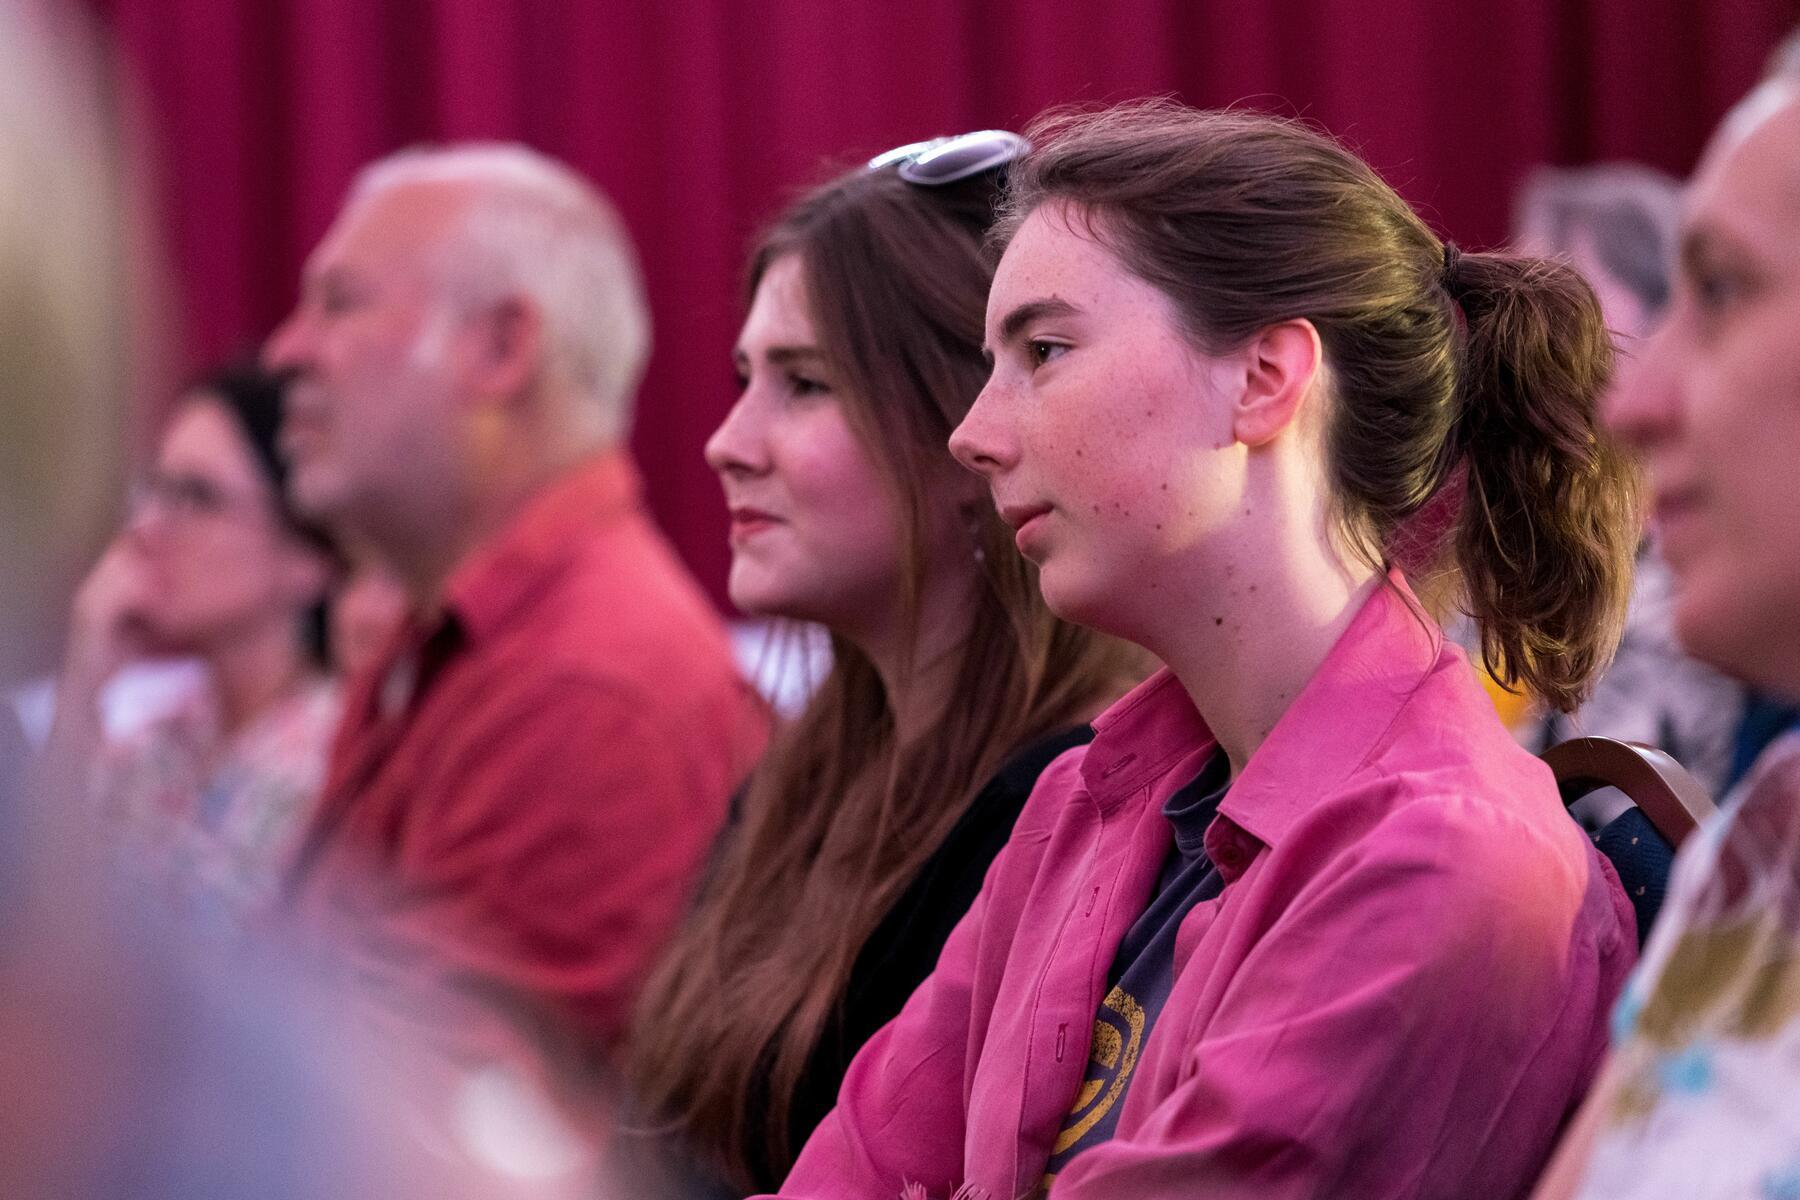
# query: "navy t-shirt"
1143, 971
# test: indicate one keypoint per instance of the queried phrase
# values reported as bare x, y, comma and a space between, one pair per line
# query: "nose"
289, 347
981, 442
1643, 405
147, 521
737, 446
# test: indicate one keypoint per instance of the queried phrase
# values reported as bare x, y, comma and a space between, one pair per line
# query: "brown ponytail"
1549, 523
1480, 371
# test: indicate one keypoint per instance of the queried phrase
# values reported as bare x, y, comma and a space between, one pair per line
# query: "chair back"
1668, 804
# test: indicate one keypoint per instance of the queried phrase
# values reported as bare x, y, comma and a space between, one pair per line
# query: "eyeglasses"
947, 160
191, 497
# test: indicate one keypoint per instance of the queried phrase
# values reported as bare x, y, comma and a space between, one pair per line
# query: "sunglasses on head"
946, 160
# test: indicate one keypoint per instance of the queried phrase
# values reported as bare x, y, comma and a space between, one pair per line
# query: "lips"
302, 431
1675, 516
747, 521
1021, 515
1026, 520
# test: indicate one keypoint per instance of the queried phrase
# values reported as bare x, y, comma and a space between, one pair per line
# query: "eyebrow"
1014, 322
783, 356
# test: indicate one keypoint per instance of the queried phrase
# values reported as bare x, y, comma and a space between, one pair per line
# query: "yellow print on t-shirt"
1113, 1056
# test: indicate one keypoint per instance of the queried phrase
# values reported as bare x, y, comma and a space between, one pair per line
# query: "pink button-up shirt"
1401, 992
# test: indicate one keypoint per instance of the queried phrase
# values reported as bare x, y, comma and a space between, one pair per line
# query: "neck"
1246, 630
508, 481
423, 565
1243, 670
254, 673
919, 672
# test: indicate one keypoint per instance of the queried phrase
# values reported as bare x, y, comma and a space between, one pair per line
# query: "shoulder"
624, 612
1493, 860
1447, 761
1019, 774
1051, 790
993, 816
1452, 802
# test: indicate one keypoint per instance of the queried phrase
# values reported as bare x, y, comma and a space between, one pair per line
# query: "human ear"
507, 353
1280, 365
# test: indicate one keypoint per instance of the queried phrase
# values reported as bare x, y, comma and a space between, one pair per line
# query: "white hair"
534, 226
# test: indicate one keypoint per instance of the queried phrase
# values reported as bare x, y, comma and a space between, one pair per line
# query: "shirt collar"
1380, 660
492, 581
1141, 737
1340, 715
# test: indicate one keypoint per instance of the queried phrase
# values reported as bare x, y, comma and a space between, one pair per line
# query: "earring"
972, 520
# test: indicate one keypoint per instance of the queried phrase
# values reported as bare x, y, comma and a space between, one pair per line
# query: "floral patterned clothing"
1707, 1035
211, 822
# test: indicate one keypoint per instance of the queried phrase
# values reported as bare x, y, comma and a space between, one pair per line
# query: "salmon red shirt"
1401, 992
526, 785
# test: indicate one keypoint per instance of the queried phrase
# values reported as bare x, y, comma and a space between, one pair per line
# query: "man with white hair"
526, 784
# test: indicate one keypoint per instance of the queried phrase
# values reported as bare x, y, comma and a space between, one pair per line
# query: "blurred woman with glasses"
206, 801
866, 830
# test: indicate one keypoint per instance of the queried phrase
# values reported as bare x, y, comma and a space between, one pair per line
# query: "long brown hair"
838, 819
1481, 371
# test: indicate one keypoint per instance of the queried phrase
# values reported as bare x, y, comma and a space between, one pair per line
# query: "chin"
754, 597
1074, 600
1756, 644
315, 493
1719, 629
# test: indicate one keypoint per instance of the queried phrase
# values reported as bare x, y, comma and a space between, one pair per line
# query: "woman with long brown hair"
865, 832
1302, 920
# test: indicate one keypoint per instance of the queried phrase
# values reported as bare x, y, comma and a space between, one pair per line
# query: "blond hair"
62, 320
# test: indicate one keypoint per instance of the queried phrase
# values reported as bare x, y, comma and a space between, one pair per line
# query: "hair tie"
1452, 256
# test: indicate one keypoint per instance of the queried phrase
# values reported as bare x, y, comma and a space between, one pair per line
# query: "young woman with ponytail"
1302, 920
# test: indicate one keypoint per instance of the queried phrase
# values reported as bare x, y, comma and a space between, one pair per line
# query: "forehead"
1057, 241
1749, 181
1059, 253
780, 311
204, 437
394, 227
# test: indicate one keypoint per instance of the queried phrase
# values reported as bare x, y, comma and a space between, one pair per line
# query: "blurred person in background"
1616, 225
207, 801
866, 830
132, 1070
1700, 1099
525, 787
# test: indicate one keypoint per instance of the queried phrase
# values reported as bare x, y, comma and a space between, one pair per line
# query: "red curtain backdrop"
700, 116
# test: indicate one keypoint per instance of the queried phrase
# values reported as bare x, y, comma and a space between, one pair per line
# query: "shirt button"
1118, 766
